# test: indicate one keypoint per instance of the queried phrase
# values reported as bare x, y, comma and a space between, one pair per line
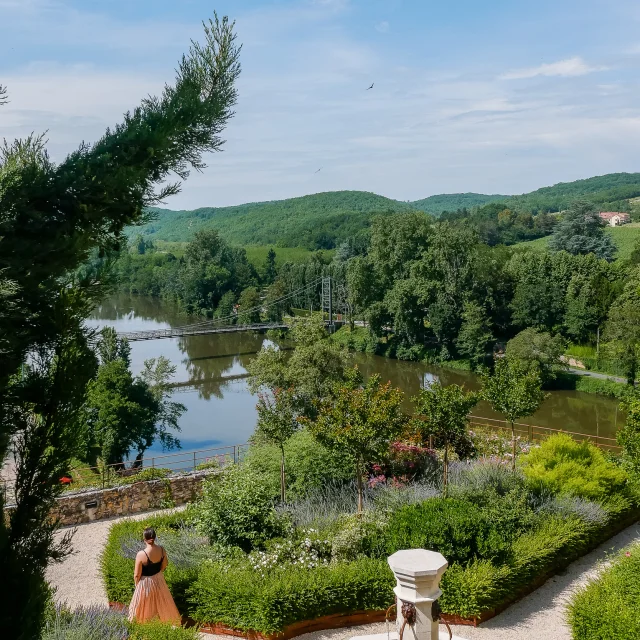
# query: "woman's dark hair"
149, 534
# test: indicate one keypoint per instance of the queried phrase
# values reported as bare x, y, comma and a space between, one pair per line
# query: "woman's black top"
151, 568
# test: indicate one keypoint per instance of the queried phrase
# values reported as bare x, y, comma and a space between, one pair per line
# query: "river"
221, 410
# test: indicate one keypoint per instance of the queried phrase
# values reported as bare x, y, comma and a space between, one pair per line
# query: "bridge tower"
327, 300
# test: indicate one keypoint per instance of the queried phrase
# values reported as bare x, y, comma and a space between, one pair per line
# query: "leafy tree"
277, 422
538, 350
270, 271
156, 374
226, 307
515, 391
622, 330
123, 413
312, 370
580, 231
110, 347
361, 419
475, 337
445, 411
249, 303
53, 217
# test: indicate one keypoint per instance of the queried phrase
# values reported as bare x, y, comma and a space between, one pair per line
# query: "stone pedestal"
418, 574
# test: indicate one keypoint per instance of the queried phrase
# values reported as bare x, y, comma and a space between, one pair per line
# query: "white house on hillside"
615, 218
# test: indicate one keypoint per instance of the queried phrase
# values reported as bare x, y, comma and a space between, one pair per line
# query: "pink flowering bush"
404, 463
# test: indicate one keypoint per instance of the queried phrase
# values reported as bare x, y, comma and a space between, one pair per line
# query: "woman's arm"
165, 561
137, 571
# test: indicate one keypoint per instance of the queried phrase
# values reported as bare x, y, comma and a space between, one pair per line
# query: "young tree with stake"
515, 390
445, 411
277, 422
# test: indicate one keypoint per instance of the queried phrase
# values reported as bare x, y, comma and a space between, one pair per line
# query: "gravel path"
539, 616
77, 580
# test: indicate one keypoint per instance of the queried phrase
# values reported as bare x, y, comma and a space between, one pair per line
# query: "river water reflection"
221, 410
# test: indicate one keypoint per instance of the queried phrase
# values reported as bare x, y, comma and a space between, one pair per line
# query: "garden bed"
240, 567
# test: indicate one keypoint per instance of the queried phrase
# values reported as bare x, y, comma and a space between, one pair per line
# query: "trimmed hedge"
242, 599
481, 586
608, 607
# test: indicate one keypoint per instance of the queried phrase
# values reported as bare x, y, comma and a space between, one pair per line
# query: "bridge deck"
178, 332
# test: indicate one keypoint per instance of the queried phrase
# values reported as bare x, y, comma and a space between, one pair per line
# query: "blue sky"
493, 96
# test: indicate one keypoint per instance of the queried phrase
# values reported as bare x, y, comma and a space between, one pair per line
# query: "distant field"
625, 238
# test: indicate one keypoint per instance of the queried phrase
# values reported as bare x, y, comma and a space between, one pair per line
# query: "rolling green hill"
324, 220
454, 201
315, 221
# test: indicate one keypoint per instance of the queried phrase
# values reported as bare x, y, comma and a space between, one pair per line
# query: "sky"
491, 96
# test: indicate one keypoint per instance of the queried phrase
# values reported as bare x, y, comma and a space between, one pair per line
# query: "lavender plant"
86, 623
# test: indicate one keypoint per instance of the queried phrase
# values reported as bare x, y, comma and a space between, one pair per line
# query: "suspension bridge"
229, 324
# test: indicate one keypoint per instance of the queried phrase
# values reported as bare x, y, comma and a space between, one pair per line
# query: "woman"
151, 598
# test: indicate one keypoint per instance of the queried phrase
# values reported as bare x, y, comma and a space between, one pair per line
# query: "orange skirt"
152, 600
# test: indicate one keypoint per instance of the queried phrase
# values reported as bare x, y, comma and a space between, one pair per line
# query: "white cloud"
575, 66
382, 27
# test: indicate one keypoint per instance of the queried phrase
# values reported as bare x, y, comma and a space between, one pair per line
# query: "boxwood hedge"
240, 598
608, 607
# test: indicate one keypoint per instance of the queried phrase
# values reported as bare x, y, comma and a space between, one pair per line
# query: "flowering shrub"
403, 464
308, 552
497, 444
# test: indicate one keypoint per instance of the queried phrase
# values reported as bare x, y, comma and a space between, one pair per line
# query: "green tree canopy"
514, 390
580, 231
311, 371
475, 337
538, 350
445, 411
277, 422
622, 329
361, 419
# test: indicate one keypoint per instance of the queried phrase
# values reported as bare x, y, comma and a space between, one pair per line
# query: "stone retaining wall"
134, 498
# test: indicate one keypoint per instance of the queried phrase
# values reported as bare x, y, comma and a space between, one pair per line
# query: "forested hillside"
325, 220
318, 221
453, 201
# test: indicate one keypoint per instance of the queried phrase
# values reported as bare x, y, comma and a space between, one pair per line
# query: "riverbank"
360, 340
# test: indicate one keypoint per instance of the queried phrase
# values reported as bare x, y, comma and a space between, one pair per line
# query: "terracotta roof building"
615, 218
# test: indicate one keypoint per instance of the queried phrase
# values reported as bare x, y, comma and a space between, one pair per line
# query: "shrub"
608, 607
358, 339
482, 585
406, 462
214, 463
236, 509
160, 631
144, 475
324, 506
85, 623
238, 597
564, 466
100, 623
458, 529
309, 465
357, 536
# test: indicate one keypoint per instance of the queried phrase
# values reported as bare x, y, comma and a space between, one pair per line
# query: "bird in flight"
371, 87
318, 171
